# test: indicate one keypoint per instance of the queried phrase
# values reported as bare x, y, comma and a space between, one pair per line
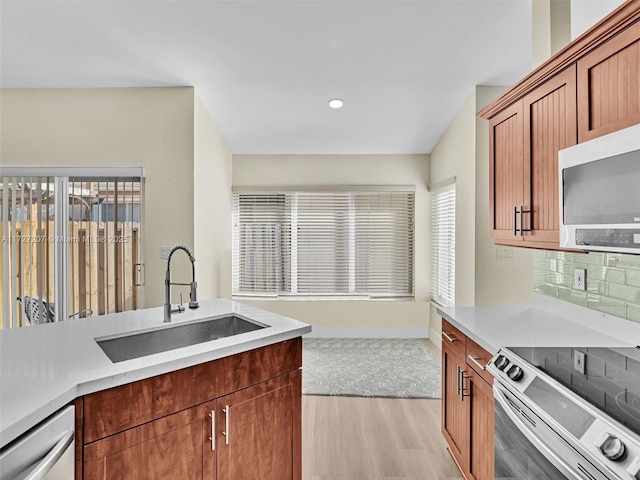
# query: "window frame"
61, 176
443, 250
293, 198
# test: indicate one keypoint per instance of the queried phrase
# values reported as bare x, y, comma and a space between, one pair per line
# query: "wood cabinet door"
259, 431
506, 174
454, 409
481, 453
609, 85
550, 124
175, 446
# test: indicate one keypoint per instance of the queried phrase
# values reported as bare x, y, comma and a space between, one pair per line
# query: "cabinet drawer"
120, 408
454, 338
477, 358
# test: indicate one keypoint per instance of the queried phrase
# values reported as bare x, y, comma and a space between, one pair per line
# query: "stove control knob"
515, 373
501, 362
611, 447
634, 469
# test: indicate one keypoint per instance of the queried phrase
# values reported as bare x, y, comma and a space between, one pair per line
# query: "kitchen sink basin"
147, 343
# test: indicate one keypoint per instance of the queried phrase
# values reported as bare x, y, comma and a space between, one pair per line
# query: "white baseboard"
436, 339
369, 332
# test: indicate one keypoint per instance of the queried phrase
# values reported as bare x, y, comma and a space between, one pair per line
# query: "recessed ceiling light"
336, 103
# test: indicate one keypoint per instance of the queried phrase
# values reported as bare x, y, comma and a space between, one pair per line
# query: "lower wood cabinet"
176, 446
467, 404
480, 425
161, 429
454, 418
258, 434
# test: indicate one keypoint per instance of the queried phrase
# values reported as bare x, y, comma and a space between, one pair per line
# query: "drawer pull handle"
227, 414
212, 415
449, 337
478, 364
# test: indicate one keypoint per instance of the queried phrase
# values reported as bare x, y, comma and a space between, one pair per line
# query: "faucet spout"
193, 295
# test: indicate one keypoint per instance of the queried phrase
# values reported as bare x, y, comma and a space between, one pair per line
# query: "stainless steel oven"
555, 419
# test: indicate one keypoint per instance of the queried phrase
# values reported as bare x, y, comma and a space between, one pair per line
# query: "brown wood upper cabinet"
524, 142
590, 88
609, 86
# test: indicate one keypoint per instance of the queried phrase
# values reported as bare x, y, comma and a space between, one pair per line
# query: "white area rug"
369, 367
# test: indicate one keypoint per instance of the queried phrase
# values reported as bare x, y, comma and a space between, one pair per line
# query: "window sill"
313, 298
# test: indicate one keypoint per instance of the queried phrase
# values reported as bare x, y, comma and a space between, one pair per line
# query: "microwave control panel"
609, 237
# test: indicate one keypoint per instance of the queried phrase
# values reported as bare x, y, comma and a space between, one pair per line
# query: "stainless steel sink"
147, 343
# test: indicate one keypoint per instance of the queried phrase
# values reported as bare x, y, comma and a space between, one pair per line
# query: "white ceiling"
266, 69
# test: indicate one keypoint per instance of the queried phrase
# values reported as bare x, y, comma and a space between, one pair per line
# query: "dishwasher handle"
51, 458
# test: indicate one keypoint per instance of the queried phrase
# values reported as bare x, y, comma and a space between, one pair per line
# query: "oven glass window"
603, 192
516, 458
573, 418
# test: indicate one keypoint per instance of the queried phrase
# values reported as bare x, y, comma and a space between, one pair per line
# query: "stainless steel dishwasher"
44, 452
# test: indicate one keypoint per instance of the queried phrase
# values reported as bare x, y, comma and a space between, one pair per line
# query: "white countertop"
496, 327
44, 367
546, 322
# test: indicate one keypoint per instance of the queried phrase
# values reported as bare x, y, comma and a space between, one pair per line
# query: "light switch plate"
580, 279
579, 362
165, 250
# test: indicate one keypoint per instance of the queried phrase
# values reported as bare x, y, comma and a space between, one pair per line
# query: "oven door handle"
530, 434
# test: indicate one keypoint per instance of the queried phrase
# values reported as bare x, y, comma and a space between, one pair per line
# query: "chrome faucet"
193, 297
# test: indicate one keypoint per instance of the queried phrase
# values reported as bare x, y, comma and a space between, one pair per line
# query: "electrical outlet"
165, 250
579, 362
504, 253
580, 279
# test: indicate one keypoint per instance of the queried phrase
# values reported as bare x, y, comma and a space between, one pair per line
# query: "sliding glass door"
70, 247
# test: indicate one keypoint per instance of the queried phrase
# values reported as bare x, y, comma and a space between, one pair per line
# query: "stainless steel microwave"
600, 193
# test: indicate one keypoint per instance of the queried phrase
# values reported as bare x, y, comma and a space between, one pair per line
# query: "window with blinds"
443, 244
323, 244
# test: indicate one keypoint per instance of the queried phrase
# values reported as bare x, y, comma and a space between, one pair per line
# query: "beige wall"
142, 127
454, 155
212, 211
481, 278
586, 13
327, 170
551, 28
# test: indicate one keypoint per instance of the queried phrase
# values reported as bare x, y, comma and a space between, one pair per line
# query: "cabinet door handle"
522, 212
478, 364
462, 389
515, 221
458, 378
449, 337
212, 415
227, 414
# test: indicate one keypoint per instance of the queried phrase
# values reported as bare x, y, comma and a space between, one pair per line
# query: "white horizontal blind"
323, 243
384, 231
311, 244
443, 243
259, 247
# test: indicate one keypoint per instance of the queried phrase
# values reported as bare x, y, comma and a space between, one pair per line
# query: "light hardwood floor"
353, 438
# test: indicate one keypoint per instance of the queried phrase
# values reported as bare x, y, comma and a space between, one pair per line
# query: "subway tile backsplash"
613, 280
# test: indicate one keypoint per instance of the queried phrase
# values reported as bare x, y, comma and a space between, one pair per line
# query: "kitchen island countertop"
45, 367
